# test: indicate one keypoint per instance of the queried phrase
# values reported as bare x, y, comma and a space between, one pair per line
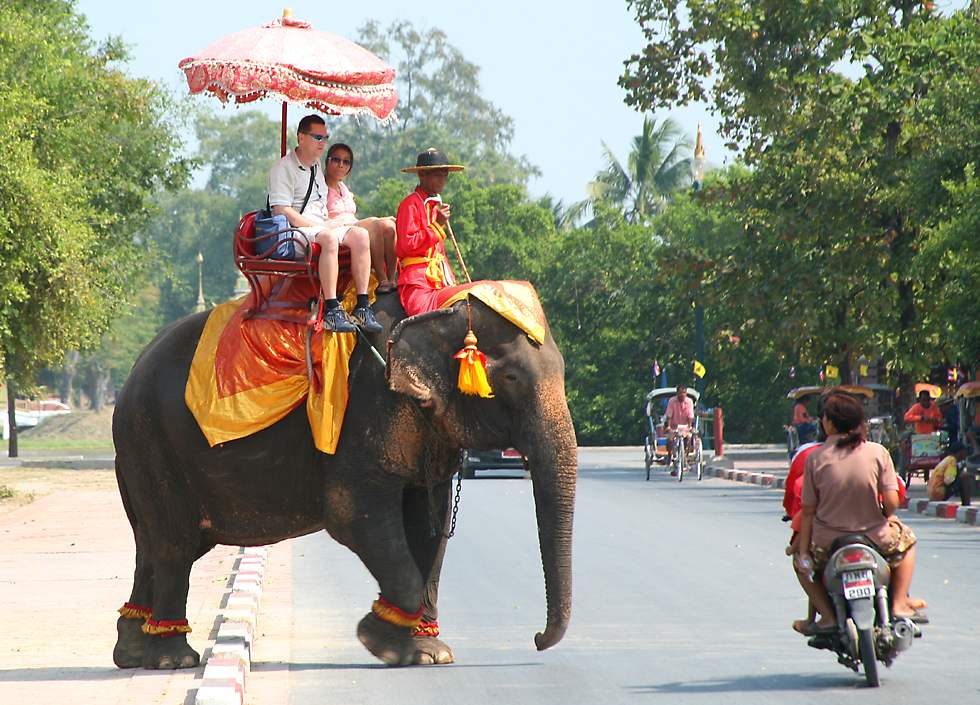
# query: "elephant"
384, 494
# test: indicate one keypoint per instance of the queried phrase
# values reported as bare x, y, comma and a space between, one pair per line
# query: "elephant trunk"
553, 462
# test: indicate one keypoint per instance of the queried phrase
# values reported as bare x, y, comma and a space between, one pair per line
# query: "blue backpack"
284, 246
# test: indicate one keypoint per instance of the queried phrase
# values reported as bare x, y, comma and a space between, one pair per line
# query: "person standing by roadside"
951, 417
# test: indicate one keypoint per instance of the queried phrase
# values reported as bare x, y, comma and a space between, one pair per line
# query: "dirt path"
30, 484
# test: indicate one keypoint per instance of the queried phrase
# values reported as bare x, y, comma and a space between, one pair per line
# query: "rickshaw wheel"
699, 457
647, 456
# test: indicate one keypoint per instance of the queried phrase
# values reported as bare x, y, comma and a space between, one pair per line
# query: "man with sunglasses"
297, 190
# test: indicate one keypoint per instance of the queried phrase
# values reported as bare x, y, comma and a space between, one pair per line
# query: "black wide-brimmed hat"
430, 159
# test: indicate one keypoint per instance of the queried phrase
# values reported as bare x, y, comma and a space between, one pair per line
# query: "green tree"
440, 105
831, 105
610, 318
85, 148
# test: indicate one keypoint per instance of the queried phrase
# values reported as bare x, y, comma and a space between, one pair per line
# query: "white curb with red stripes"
227, 668
764, 479
941, 510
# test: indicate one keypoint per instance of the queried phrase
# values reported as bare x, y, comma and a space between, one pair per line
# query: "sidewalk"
772, 473
66, 565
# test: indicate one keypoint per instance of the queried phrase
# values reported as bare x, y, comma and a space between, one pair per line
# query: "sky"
551, 65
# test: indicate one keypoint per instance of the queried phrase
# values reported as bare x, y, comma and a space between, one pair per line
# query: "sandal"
808, 628
386, 288
917, 617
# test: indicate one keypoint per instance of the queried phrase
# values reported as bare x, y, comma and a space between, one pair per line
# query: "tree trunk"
100, 384
66, 382
11, 419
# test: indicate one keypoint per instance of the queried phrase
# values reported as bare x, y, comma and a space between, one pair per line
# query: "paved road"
682, 595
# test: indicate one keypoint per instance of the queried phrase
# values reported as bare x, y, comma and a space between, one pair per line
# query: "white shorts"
310, 232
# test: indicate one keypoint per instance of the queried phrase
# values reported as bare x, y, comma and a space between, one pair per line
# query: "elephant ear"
420, 356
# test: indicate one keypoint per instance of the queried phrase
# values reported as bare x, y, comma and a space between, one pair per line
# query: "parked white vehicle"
32, 414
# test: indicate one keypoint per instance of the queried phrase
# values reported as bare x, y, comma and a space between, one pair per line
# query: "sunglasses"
340, 160
318, 138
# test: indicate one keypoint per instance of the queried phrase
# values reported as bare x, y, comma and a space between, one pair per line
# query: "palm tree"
565, 217
658, 165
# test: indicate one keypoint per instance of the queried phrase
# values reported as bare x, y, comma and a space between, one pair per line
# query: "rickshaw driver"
680, 412
924, 414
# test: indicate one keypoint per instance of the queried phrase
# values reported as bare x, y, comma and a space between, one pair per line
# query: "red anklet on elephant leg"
393, 614
427, 629
166, 627
132, 611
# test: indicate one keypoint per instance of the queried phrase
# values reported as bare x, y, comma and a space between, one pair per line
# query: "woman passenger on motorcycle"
842, 482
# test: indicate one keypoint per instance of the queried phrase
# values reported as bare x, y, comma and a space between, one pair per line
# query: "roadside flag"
656, 369
832, 372
699, 369
864, 370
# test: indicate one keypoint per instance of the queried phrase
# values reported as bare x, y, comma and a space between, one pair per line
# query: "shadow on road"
282, 666
74, 673
745, 684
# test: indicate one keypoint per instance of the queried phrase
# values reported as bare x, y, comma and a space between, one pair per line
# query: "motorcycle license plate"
858, 584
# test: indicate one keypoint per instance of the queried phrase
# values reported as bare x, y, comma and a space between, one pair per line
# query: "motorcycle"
857, 578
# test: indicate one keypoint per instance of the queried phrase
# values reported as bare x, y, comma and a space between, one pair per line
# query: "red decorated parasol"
289, 60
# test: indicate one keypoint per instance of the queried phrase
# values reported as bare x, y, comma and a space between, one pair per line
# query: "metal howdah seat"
281, 285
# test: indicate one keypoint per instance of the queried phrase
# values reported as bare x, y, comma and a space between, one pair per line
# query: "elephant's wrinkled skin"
400, 435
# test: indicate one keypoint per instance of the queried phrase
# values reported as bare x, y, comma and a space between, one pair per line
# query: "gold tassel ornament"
473, 368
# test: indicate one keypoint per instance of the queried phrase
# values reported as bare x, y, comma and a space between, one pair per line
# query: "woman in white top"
341, 213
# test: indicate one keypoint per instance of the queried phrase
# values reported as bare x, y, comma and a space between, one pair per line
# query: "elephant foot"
396, 646
130, 643
169, 653
433, 650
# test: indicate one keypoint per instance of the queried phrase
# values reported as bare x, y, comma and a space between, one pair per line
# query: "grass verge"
64, 444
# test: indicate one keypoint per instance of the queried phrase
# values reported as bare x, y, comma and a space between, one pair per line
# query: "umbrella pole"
282, 143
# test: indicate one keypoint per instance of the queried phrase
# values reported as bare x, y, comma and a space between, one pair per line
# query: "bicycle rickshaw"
878, 427
967, 399
881, 417
655, 444
799, 394
921, 452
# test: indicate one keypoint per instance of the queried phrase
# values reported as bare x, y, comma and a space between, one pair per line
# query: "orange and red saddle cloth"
247, 374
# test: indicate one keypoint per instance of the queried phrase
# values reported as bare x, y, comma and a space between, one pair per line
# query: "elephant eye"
510, 376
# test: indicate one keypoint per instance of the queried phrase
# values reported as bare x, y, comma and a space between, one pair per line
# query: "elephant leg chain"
459, 489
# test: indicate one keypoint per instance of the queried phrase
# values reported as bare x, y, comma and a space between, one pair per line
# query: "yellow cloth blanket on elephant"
247, 374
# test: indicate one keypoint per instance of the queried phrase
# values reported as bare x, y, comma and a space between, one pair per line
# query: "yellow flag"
832, 371
864, 370
699, 369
